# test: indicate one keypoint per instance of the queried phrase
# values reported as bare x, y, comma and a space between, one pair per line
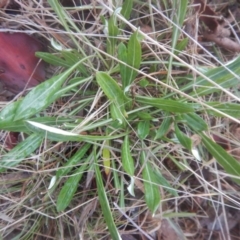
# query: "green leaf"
181, 46
127, 160
8, 113
182, 138
75, 159
111, 88
112, 35
144, 115
17, 126
20, 152
127, 9
159, 179
179, 14
70, 187
106, 210
219, 75
143, 129
167, 105
53, 59
59, 135
114, 94
229, 163
151, 190
195, 122
73, 57
106, 157
132, 56
117, 114
163, 129
20, 125
41, 96
232, 109
122, 56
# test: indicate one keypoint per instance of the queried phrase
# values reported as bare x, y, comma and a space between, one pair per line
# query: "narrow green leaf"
70, 187
219, 75
8, 113
144, 115
159, 179
117, 114
143, 129
53, 59
106, 157
122, 56
114, 94
182, 138
232, 109
112, 35
181, 46
164, 127
127, 160
107, 213
17, 126
179, 13
134, 57
75, 159
127, 9
195, 122
151, 190
41, 96
73, 57
20, 152
59, 135
229, 163
167, 105
111, 88
20, 125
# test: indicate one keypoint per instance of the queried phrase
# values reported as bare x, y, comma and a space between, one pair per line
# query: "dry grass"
206, 205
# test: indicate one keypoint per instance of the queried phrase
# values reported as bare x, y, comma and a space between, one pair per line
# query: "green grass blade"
106, 157
122, 56
195, 122
112, 35
20, 125
151, 190
164, 127
53, 59
114, 94
75, 159
70, 187
9, 112
229, 163
20, 152
167, 105
179, 13
127, 160
219, 75
126, 10
41, 96
134, 57
159, 179
59, 135
232, 109
143, 129
107, 213
182, 138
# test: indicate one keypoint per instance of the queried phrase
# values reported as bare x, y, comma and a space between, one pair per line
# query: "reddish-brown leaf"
19, 68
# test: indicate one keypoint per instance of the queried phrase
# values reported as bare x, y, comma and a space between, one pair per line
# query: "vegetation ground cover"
134, 133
